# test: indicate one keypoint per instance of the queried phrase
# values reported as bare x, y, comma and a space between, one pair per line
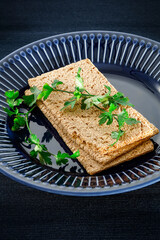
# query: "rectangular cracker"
94, 167
90, 163
82, 125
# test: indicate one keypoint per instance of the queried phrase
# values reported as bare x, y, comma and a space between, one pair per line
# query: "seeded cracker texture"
91, 165
80, 129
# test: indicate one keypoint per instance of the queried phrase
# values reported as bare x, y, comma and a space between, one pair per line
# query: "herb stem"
88, 93
27, 124
58, 90
26, 118
83, 94
31, 110
99, 107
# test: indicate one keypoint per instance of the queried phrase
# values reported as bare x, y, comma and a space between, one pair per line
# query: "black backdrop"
27, 213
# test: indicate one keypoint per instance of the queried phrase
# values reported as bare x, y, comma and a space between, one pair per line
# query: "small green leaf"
33, 153
31, 99
79, 81
106, 117
18, 122
12, 103
18, 102
104, 100
122, 116
45, 92
75, 155
112, 107
77, 94
120, 99
117, 135
44, 147
79, 70
61, 158
12, 94
21, 121
92, 100
35, 92
28, 100
56, 83
109, 90
114, 135
103, 114
15, 127
69, 103
9, 112
16, 111
34, 139
83, 105
131, 121
72, 104
45, 157
102, 120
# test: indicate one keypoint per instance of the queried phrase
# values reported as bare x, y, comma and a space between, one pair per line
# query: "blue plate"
131, 63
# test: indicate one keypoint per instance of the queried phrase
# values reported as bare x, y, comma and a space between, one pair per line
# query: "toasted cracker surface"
89, 161
81, 126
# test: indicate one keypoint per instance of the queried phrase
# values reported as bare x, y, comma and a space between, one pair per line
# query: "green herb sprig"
88, 100
106, 101
20, 120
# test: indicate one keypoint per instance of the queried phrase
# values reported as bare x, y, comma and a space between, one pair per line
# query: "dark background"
27, 213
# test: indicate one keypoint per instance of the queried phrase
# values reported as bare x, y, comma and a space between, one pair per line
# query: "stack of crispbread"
80, 129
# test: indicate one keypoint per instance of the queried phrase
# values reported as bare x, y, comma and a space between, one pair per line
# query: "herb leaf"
69, 103
83, 105
107, 116
12, 94
12, 103
31, 99
33, 153
109, 90
79, 81
116, 135
77, 94
62, 157
18, 102
75, 154
119, 98
56, 83
122, 117
9, 112
18, 122
131, 121
33, 139
112, 107
45, 92
90, 101
45, 157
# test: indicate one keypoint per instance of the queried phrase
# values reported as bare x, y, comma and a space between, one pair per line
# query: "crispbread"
89, 163
93, 167
82, 125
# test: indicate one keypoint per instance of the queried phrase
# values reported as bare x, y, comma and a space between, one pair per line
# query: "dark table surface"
26, 213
